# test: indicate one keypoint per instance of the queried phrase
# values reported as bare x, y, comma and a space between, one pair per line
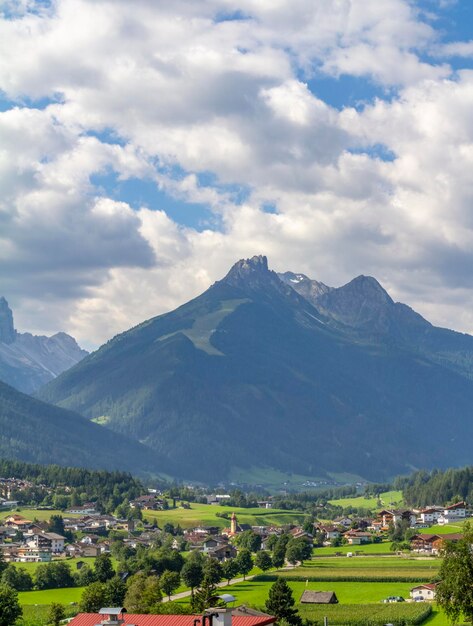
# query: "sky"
146, 146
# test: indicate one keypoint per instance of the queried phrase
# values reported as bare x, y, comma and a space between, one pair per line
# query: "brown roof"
319, 597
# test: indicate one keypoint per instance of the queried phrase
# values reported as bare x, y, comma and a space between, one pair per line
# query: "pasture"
205, 515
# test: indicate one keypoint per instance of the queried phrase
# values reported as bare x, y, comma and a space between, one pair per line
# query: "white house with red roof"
424, 592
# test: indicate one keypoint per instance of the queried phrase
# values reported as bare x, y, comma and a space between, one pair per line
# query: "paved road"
224, 583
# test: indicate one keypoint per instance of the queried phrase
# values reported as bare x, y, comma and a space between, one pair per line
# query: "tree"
18, 578
169, 582
143, 593
212, 571
244, 562
279, 555
192, 574
10, 609
280, 603
104, 568
56, 525
94, 597
115, 591
263, 560
455, 592
56, 614
205, 597
3, 564
250, 540
229, 569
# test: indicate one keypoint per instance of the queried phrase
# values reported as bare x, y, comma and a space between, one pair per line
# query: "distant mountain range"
282, 372
28, 361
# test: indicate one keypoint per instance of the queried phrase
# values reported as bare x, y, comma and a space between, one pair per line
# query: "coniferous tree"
280, 603
10, 609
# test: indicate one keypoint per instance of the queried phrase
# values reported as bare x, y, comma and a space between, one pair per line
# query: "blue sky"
146, 147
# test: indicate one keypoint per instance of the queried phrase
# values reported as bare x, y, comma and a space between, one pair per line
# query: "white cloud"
186, 90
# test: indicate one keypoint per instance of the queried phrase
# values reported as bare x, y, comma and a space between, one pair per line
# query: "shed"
319, 597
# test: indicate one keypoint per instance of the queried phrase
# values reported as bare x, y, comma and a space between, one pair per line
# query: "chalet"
25, 554
221, 617
18, 522
430, 515
319, 597
356, 537
328, 532
223, 552
149, 502
457, 510
424, 592
423, 542
432, 544
47, 541
395, 516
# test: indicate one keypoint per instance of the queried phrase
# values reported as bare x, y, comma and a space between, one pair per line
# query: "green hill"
33, 431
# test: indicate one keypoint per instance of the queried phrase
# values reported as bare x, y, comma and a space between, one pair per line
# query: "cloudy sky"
146, 145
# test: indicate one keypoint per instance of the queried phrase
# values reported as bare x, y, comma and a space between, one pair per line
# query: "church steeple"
233, 524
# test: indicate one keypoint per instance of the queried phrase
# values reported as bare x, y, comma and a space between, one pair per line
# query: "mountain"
36, 432
252, 375
28, 361
365, 311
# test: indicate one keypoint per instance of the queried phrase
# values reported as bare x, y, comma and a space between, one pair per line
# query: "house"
328, 532
424, 592
223, 552
423, 542
118, 617
430, 515
457, 510
356, 537
48, 541
395, 516
319, 597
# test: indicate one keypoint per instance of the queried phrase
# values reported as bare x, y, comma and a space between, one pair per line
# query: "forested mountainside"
252, 374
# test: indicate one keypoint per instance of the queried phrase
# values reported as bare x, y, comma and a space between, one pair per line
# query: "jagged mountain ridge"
369, 314
36, 432
28, 361
251, 373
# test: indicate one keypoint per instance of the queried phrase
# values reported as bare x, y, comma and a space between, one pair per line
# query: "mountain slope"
252, 374
33, 431
28, 361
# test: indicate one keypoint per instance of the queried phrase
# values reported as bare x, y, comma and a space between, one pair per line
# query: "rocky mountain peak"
248, 272
369, 288
7, 329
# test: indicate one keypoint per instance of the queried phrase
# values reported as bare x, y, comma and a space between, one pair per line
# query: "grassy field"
205, 515
32, 567
39, 514
369, 548
443, 530
64, 596
367, 568
387, 499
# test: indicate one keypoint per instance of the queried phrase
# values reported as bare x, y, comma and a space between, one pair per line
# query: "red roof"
91, 619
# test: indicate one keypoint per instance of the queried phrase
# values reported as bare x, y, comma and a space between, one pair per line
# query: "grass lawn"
367, 568
443, 530
39, 514
255, 592
388, 499
64, 596
383, 547
205, 515
32, 567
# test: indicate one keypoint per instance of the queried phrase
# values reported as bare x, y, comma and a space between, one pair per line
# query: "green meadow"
387, 499
205, 515
39, 514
